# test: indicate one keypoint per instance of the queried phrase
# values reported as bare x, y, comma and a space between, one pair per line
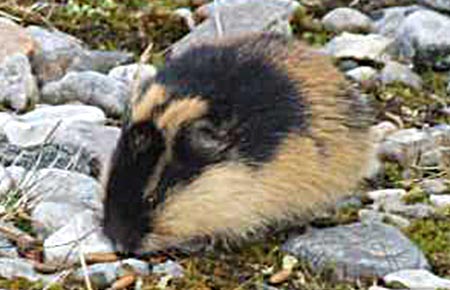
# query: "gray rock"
424, 37
98, 141
368, 216
6, 182
11, 268
370, 47
431, 158
390, 19
440, 200
90, 88
170, 268
100, 61
362, 73
63, 156
417, 279
434, 186
347, 19
33, 128
7, 249
383, 194
81, 146
18, 87
358, 250
394, 72
397, 206
59, 195
81, 235
408, 145
442, 5
128, 75
239, 17
104, 274
61, 53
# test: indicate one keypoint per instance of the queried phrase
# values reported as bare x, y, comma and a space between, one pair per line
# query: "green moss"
109, 24
309, 29
21, 284
433, 237
415, 195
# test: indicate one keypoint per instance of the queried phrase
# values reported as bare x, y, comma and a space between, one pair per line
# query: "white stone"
347, 19
82, 235
418, 279
440, 200
386, 193
371, 47
362, 73
35, 127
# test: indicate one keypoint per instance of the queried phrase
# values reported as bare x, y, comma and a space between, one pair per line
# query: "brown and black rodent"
232, 137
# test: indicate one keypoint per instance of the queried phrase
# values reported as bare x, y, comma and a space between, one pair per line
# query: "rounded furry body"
232, 137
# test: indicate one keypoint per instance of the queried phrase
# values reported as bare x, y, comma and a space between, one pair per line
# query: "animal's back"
288, 135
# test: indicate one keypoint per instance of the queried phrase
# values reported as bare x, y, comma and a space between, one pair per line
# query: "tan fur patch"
181, 111
155, 96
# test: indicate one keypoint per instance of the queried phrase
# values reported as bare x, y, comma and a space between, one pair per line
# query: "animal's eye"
205, 136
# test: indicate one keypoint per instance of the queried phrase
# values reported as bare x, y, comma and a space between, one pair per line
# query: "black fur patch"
126, 212
246, 93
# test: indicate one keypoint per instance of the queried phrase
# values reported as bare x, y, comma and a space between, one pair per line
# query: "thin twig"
136, 85
217, 21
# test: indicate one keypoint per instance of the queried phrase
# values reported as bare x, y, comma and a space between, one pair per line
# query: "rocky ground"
62, 100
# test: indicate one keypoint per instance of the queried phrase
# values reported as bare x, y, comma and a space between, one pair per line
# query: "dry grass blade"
23, 239
217, 21
124, 282
145, 56
93, 258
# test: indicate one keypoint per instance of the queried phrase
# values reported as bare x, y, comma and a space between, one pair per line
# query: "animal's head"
211, 105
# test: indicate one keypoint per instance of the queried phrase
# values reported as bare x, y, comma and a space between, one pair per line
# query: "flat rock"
81, 146
382, 194
15, 39
170, 268
388, 20
18, 87
441, 5
59, 196
104, 274
440, 200
61, 53
424, 37
11, 268
404, 146
397, 73
128, 74
371, 47
35, 127
418, 279
239, 17
62, 156
347, 19
434, 186
362, 73
90, 88
81, 234
358, 250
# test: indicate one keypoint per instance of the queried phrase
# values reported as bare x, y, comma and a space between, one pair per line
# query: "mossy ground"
132, 25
